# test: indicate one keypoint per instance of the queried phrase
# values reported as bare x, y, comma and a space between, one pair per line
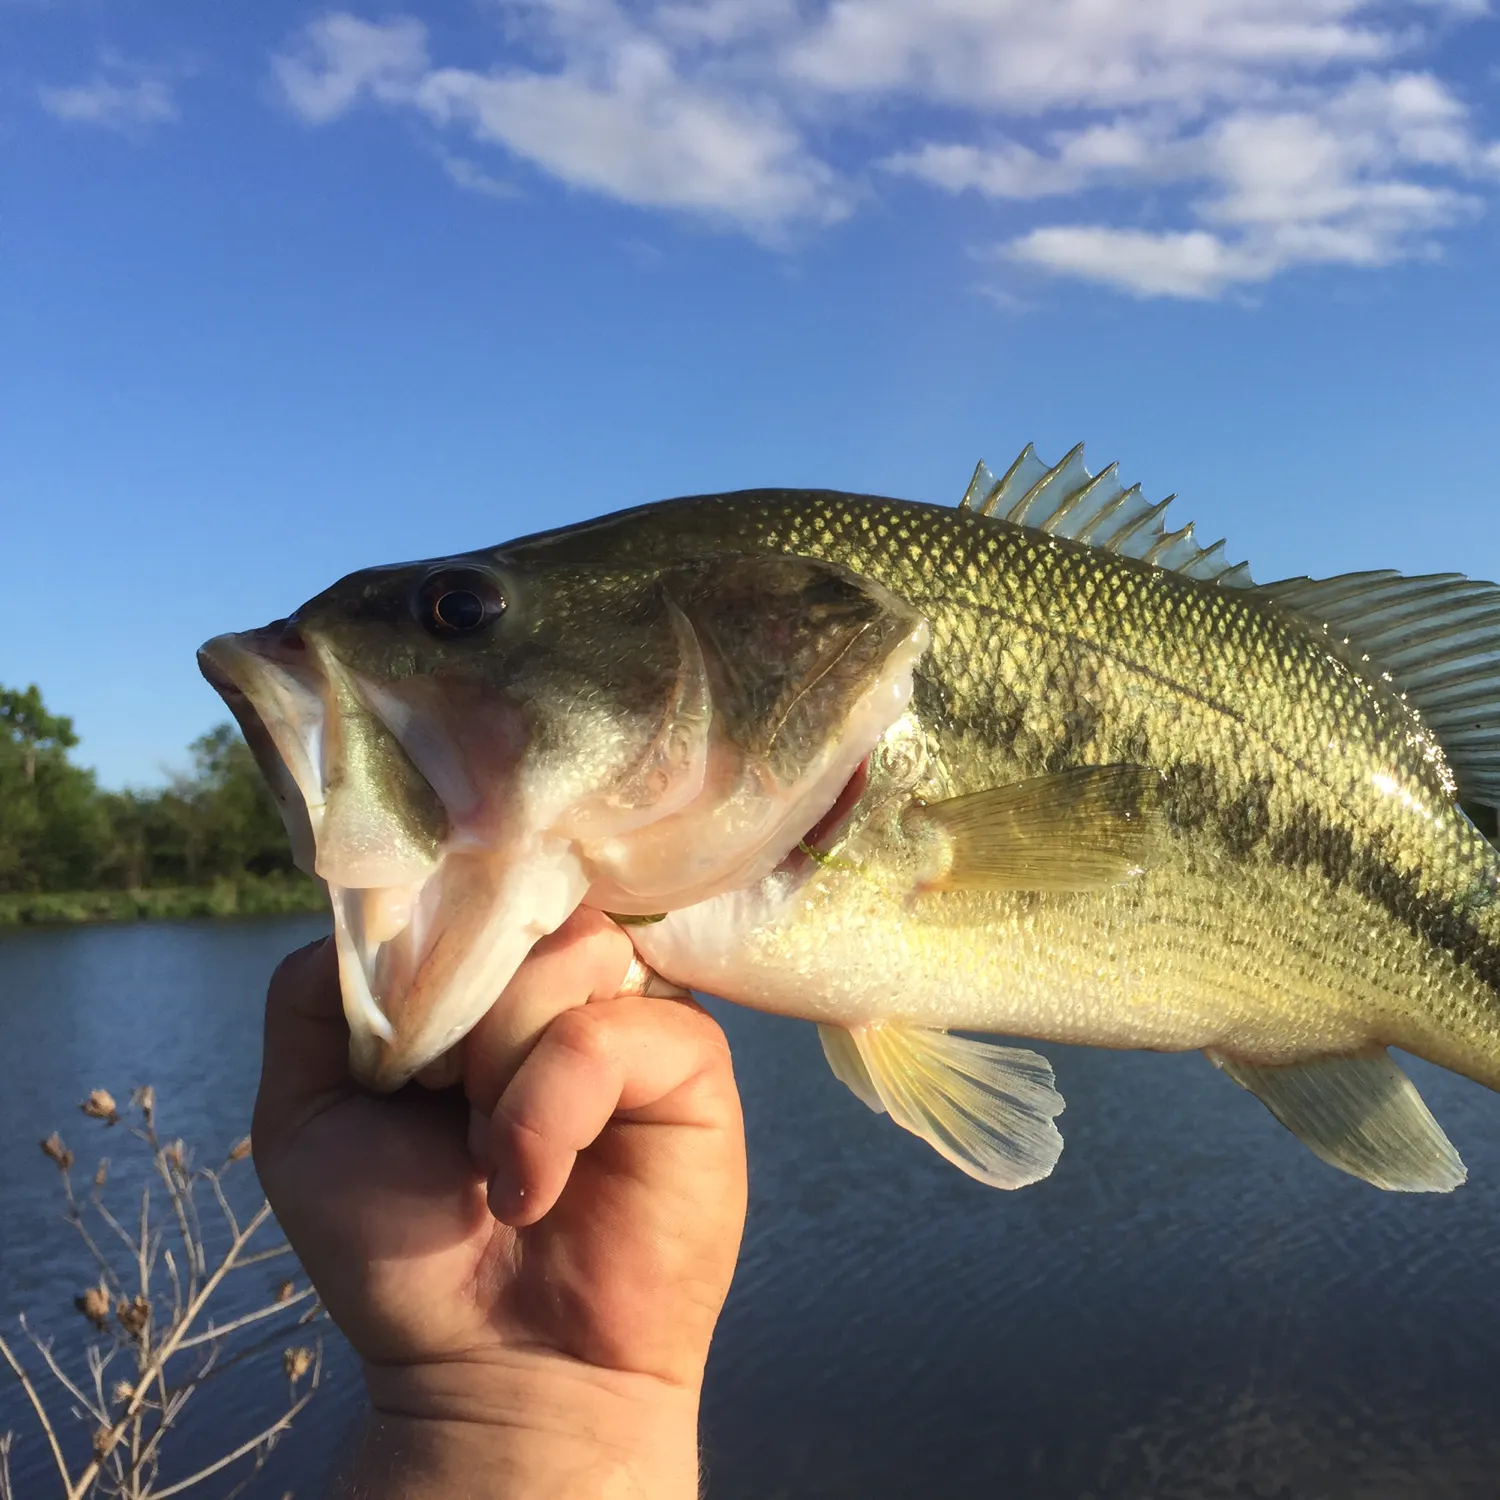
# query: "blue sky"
286, 291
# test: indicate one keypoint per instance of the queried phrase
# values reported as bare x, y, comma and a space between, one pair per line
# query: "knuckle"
583, 1032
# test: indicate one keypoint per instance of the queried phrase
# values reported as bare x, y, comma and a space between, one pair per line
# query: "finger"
306, 1048
632, 1058
586, 959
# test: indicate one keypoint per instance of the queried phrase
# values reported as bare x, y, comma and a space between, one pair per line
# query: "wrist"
526, 1425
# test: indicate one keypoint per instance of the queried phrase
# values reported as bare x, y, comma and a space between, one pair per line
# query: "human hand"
532, 1268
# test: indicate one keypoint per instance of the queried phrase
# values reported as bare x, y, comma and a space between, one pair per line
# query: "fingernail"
507, 1198
479, 1141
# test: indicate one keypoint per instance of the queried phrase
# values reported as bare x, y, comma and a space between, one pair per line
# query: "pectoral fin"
987, 1108
1078, 830
1359, 1113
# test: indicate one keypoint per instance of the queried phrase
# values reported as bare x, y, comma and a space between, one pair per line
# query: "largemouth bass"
1032, 766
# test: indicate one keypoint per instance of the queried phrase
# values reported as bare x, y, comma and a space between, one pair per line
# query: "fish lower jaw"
420, 964
366, 920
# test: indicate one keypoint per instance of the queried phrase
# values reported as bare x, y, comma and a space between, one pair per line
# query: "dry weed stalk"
156, 1342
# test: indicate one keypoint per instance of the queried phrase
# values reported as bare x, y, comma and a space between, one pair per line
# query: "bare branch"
130, 1417
268, 1435
42, 1417
101, 1260
171, 1264
120, 1230
220, 1364
169, 1346
274, 1253
228, 1212
60, 1375
143, 1256
192, 1241
221, 1330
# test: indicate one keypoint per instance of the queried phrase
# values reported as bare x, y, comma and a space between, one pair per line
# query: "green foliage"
52, 826
210, 843
250, 896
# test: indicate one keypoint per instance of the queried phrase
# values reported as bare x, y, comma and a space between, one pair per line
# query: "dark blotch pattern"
1309, 842
1245, 819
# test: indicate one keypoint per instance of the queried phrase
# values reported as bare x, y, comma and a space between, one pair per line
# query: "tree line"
60, 831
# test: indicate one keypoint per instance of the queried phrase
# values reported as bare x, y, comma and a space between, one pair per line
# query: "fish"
1029, 767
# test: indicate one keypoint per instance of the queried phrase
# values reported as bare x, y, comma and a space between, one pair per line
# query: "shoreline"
248, 896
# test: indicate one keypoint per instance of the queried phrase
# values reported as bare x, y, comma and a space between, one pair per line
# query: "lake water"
1191, 1306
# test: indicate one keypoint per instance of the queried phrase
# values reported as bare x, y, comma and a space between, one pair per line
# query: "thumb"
305, 1061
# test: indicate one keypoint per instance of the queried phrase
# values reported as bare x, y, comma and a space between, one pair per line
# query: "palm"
386, 1206
388, 1212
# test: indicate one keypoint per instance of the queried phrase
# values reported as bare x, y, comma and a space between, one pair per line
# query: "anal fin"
988, 1109
1359, 1113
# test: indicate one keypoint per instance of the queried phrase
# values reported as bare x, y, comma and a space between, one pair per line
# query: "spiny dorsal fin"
1438, 640
1066, 500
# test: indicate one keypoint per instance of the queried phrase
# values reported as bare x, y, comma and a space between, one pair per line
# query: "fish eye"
458, 601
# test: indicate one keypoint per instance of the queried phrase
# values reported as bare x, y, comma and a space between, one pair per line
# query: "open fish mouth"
359, 818
454, 823
430, 918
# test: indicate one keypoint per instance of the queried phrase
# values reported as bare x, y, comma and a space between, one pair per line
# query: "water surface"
1191, 1306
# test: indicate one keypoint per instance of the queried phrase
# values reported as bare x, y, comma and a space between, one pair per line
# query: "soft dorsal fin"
1437, 638
1066, 500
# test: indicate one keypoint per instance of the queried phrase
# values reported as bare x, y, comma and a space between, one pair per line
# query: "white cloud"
1022, 56
1257, 135
342, 57
1344, 179
1192, 264
1122, 150
473, 178
641, 134
618, 120
124, 106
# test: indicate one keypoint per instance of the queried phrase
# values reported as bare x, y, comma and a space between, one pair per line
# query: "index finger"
586, 959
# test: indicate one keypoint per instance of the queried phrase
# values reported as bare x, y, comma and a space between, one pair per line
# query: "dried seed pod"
101, 1172
284, 1291
296, 1363
94, 1305
133, 1315
100, 1105
241, 1149
53, 1147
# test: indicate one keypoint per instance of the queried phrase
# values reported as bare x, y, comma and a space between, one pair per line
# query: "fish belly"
1266, 963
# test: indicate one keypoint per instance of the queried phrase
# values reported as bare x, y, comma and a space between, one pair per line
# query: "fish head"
467, 749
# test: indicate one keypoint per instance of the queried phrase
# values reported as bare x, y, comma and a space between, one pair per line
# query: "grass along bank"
241, 896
